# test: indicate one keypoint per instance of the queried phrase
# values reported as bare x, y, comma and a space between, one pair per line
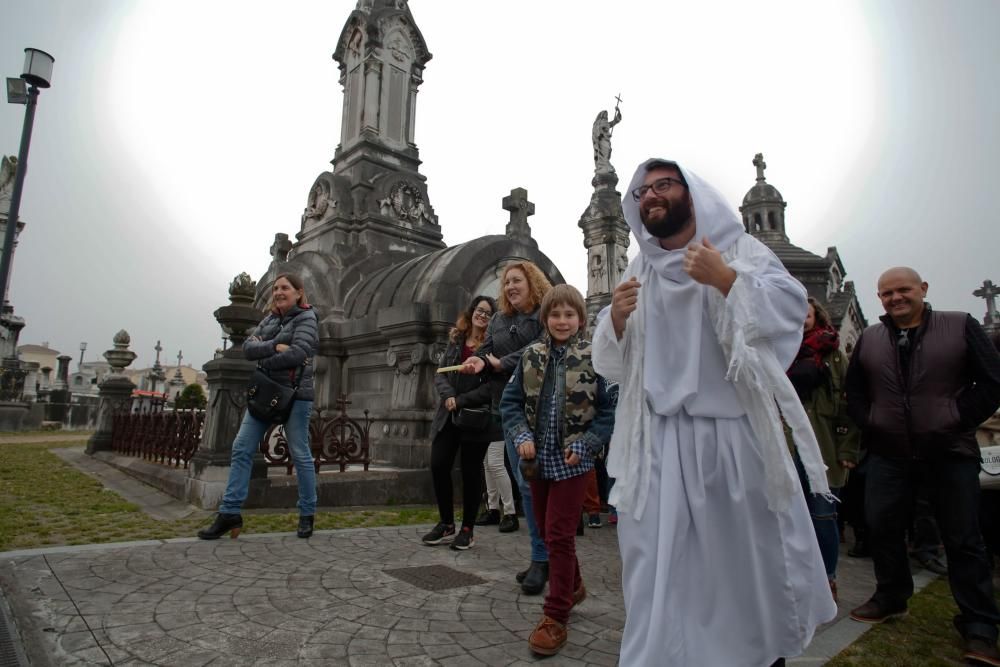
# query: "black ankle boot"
535, 578
305, 526
224, 523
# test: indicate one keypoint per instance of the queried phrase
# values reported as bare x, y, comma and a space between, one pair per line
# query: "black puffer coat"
470, 391
299, 330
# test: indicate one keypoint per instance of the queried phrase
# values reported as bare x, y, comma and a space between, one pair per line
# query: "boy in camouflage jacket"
559, 414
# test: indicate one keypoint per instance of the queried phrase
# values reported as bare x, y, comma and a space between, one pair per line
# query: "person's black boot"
305, 526
535, 578
224, 523
488, 518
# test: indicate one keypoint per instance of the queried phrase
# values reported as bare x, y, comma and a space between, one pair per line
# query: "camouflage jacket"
583, 420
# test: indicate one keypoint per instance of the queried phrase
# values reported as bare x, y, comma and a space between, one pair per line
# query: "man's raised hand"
623, 302
704, 263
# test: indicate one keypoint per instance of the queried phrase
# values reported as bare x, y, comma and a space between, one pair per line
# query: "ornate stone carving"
318, 202
243, 289
281, 247
119, 357
405, 202
8, 170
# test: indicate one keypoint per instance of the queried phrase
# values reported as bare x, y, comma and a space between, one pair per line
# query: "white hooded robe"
720, 563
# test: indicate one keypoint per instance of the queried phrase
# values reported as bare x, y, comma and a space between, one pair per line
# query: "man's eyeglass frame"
660, 186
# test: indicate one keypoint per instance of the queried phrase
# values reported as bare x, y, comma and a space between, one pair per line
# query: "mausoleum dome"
761, 193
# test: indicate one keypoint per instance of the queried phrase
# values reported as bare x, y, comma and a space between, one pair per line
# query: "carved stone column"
227, 379
606, 237
115, 392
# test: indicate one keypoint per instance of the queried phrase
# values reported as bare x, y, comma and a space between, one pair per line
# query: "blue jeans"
824, 520
952, 487
538, 551
247, 443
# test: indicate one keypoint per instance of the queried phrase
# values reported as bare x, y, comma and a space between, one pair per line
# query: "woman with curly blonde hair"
514, 327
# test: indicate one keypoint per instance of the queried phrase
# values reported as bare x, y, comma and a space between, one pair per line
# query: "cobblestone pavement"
277, 599
334, 599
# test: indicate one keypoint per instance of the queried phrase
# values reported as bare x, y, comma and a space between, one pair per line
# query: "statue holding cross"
601, 136
989, 291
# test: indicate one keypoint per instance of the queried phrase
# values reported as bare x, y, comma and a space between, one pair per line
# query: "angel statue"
601, 136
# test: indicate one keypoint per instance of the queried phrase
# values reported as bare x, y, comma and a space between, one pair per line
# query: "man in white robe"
720, 563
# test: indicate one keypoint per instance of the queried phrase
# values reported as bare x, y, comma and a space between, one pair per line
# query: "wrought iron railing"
340, 441
164, 436
167, 436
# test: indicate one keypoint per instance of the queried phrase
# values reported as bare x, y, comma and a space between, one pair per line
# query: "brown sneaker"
875, 612
580, 594
981, 652
548, 637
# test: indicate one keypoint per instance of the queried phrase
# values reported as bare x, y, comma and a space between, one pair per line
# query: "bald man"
918, 385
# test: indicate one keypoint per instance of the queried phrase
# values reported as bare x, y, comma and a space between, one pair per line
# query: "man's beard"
674, 221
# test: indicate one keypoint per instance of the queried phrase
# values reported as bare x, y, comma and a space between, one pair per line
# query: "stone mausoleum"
369, 246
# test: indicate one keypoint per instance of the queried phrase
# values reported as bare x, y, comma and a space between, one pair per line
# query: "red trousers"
557, 513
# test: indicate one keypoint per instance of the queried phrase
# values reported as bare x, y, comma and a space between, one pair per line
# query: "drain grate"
10, 649
435, 577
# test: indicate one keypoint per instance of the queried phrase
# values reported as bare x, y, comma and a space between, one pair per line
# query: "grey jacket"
506, 338
299, 330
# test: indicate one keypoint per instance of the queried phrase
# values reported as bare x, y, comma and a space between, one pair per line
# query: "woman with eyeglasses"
463, 421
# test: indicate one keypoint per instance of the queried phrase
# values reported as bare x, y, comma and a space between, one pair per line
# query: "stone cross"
158, 349
758, 161
520, 208
989, 291
180, 356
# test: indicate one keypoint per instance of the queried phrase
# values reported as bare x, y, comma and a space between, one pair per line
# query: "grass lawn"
925, 638
46, 502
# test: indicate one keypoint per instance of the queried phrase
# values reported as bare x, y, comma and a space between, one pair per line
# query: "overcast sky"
178, 137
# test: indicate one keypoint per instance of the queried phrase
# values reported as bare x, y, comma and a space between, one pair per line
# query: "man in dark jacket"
918, 385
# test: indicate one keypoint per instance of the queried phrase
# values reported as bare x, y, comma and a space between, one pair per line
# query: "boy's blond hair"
563, 295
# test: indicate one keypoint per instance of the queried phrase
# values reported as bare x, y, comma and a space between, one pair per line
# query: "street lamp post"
37, 74
83, 348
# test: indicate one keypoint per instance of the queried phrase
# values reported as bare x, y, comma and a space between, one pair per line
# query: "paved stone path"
333, 599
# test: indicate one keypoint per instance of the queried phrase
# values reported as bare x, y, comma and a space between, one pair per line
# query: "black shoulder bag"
270, 401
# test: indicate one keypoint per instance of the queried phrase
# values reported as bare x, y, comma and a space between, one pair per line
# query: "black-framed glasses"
484, 313
659, 187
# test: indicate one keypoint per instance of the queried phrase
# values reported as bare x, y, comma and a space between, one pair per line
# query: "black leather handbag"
472, 419
270, 401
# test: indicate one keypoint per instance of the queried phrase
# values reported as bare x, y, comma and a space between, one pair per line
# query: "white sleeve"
608, 353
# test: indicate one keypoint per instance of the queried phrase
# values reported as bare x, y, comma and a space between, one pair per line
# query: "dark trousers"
952, 487
446, 445
557, 512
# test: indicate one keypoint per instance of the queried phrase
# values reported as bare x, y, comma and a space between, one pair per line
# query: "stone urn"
240, 317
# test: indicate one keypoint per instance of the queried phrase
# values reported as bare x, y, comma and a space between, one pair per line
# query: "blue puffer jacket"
299, 330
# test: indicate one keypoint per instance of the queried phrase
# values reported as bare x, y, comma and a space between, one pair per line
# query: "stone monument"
228, 376
605, 232
115, 392
369, 245
989, 291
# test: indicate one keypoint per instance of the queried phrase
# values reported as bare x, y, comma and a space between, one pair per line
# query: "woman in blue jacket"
283, 344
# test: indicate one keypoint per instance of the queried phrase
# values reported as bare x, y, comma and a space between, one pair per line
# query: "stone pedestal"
606, 237
209, 469
228, 377
116, 395
12, 414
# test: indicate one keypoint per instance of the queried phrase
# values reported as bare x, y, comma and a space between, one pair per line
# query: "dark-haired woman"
818, 374
461, 393
283, 344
